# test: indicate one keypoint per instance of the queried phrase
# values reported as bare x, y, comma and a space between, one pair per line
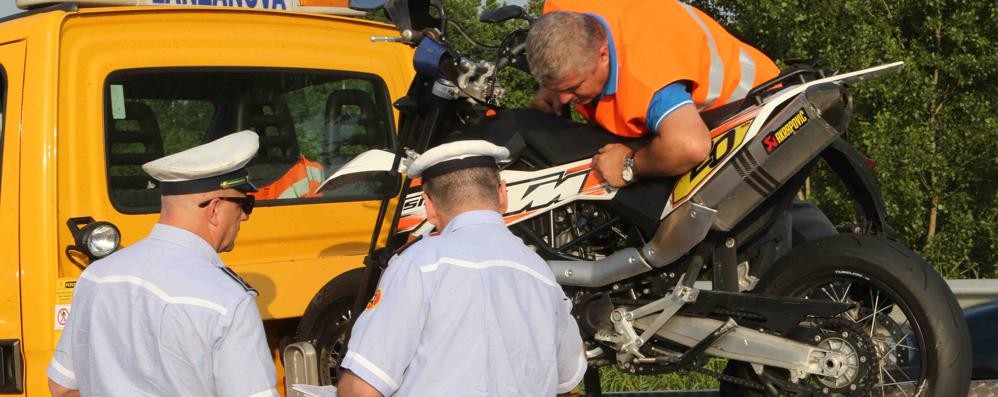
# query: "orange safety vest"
659, 42
301, 181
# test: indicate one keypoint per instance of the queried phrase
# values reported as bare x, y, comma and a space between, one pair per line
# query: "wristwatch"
629, 173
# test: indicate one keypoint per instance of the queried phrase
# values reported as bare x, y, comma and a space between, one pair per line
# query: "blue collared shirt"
470, 312
162, 318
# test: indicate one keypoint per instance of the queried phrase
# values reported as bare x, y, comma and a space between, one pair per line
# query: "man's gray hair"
468, 188
562, 41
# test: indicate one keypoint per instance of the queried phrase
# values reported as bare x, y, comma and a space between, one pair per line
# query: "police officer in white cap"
471, 311
164, 316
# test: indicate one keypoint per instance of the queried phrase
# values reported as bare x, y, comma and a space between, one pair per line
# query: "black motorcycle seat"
557, 139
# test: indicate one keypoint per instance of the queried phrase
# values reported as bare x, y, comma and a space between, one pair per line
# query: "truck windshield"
310, 123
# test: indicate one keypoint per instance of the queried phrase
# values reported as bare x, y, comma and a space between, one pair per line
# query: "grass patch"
613, 380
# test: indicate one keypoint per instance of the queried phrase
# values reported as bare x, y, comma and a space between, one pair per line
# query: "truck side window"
310, 123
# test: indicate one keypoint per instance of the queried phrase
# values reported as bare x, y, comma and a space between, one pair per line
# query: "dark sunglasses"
246, 202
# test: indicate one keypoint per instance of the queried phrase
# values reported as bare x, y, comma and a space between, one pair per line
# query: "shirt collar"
186, 239
610, 87
477, 217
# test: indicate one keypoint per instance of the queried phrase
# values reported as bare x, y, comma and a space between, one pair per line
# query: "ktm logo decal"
545, 190
722, 146
776, 138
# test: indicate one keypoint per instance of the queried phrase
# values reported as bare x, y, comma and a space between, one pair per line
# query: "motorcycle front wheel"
919, 335
326, 322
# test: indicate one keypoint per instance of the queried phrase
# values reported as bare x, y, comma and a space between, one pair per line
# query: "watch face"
627, 174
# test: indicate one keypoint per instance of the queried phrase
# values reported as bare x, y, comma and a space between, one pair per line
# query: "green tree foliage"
930, 128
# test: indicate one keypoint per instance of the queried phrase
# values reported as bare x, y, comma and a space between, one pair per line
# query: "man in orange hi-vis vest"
302, 180
637, 67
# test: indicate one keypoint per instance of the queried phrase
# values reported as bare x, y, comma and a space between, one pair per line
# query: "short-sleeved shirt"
164, 318
655, 43
469, 312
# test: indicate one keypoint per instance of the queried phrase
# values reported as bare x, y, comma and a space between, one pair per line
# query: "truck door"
11, 84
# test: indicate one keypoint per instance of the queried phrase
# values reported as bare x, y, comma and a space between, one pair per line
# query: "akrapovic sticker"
787, 130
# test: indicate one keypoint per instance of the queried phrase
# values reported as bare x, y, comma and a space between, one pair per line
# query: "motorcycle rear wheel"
920, 335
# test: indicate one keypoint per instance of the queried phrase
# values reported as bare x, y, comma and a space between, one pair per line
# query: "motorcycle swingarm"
745, 344
776, 313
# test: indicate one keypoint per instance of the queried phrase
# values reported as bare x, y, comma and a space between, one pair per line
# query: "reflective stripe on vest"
299, 181
747, 79
304, 187
716, 75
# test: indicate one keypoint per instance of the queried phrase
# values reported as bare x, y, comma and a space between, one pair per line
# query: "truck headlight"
100, 239
95, 239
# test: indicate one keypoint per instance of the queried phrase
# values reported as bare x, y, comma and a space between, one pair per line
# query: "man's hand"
547, 101
609, 163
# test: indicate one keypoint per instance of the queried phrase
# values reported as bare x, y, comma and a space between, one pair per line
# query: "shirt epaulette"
242, 283
405, 246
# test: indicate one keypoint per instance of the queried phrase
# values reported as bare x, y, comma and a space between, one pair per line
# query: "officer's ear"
212, 212
503, 199
432, 215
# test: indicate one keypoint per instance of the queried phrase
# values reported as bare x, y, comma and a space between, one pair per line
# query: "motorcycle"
849, 314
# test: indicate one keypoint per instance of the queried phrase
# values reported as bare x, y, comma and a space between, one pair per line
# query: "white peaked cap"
458, 155
215, 165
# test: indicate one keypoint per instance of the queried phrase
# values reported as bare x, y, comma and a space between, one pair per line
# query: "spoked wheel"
886, 320
918, 337
327, 321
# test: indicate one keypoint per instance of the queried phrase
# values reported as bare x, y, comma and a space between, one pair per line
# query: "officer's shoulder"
407, 245
418, 245
215, 283
239, 280
225, 283
421, 251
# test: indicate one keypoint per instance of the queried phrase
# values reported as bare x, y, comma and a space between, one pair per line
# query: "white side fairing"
529, 193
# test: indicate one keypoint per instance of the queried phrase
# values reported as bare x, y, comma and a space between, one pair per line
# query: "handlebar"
436, 58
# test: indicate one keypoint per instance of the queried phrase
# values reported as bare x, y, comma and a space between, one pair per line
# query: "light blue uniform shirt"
470, 312
163, 318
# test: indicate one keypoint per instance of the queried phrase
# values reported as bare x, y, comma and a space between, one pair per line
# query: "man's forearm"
351, 385
681, 142
663, 159
58, 390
